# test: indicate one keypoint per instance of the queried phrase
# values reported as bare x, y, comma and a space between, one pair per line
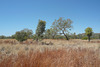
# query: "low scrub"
55, 58
84, 38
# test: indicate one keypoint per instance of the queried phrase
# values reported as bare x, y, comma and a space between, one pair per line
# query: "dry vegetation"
73, 53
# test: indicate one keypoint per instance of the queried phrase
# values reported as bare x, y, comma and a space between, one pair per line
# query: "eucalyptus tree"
63, 26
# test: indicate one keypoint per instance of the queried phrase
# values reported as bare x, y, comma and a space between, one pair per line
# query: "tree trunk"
89, 38
66, 36
37, 39
53, 37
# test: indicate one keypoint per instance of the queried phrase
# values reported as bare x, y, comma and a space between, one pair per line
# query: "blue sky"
16, 15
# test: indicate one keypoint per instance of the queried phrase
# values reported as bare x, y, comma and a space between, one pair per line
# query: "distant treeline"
60, 29
71, 36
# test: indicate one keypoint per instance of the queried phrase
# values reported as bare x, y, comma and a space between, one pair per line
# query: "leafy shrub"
84, 38
23, 35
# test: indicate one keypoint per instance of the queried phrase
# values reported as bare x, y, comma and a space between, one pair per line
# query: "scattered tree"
51, 33
40, 29
2, 37
28, 32
75, 37
47, 34
79, 36
23, 35
34, 37
88, 32
99, 36
63, 26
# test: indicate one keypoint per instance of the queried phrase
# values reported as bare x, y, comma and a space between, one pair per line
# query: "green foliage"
40, 29
84, 38
63, 26
88, 32
73, 36
53, 32
5, 37
34, 37
59, 37
99, 36
13, 36
23, 35
47, 34
50, 33
28, 32
2, 37
79, 36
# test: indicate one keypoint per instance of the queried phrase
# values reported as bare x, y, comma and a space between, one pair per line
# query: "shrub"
23, 35
84, 38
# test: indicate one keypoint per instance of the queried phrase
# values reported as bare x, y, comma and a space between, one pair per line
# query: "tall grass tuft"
54, 58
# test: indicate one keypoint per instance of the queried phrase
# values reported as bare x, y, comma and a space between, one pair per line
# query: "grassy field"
50, 53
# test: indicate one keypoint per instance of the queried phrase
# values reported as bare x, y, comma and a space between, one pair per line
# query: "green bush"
84, 38
23, 35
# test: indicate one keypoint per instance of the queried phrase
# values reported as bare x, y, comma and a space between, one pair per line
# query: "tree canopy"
88, 32
63, 26
40, 29
23, 35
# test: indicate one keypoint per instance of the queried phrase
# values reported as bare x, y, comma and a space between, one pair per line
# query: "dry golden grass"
8, 41
62, 53
55, 58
